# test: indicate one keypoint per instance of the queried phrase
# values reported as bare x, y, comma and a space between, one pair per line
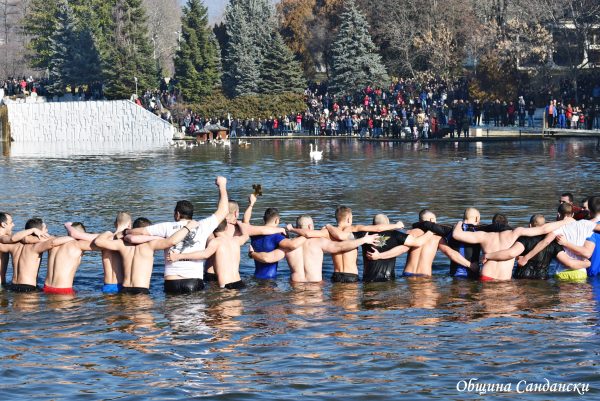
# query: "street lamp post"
136, 92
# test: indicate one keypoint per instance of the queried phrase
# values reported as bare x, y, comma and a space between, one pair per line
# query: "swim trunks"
486, 278
111, 288
23, 288
238, 285
338, 277
60, 291
135, 290
184, 286
210, 277
409, 274
572, 275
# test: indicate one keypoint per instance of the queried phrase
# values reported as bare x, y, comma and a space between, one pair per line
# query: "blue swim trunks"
111, 288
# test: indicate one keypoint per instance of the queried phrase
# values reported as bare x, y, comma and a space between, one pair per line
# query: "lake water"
412, 339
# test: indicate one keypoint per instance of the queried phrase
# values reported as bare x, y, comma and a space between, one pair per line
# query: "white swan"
315, 154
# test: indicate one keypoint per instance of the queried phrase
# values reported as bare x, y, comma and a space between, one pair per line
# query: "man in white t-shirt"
574, 233
186, 276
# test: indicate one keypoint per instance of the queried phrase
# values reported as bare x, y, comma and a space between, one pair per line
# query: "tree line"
504, 46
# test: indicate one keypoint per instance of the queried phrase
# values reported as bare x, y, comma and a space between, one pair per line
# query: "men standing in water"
420, 259
226, 250
267, 242
111, 260
138, 259
28, 257
306, 262
186, 276
496, 241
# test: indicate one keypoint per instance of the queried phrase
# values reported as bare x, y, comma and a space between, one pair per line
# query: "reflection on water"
413, 338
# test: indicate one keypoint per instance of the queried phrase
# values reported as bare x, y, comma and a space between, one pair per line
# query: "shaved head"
380, 219
304, 221
472, 215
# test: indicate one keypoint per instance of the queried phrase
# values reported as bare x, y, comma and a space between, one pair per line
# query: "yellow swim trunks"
572, 275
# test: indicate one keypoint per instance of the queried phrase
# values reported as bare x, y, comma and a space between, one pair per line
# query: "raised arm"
140, 239
248, 212
210, 250
390, 253
79, 235
467, 237
345, 246
106, 241
175, 238
573, 264
506, 254
243, 237
223, 207
336, 233
586, 250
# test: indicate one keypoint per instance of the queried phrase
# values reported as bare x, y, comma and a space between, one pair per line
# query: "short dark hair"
141, 222
535, 219
342, 212
185, 209
270, 214
501, 219
79, 224
569, 195
36, 222
3, 217
221, 227
424, 213
594, 205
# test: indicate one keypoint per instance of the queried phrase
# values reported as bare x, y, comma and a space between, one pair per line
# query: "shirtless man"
28, 257
419, 262
269, 230
111, 260
63, 262
7, 237
345, 266
138, 259
537, 267
306, 262
226, 250
496, 241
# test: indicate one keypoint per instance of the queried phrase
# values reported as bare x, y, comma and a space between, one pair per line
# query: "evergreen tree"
355, 62
130, 54
281, 72
249, 26
40, 24
198, 61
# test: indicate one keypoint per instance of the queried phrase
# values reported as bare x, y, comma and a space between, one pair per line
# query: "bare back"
113, 267
227, 260
63, 262
306, 262
493, 242
27, 264
420, 260
345, 262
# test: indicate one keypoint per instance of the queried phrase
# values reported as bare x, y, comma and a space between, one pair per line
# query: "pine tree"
281, 72
249, 26
197, 62
40, 24
355, 62
130, 55
59, 48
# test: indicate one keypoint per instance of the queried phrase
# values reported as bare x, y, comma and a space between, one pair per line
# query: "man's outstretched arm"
506, 254
467, 237
390, 253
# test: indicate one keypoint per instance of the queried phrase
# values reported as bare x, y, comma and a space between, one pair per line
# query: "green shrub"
247, 106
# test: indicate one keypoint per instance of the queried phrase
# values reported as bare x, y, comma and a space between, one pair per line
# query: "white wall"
107, 124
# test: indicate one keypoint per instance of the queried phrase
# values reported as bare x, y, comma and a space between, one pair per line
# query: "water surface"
412, 339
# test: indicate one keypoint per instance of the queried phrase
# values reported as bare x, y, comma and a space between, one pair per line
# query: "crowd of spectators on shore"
405, 109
